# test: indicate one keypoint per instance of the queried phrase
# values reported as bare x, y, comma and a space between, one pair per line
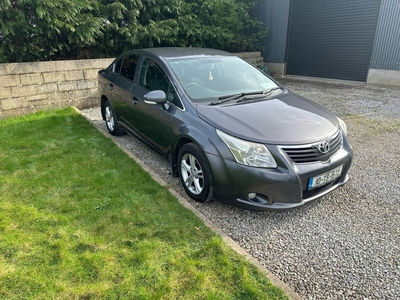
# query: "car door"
156, 123
121, 82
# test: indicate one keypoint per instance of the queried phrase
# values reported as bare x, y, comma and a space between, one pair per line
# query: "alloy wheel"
192, 174
109, 118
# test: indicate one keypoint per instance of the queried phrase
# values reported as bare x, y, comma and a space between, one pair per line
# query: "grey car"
229, 131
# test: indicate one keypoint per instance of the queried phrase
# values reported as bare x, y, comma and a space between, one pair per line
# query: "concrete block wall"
384, 77
254, 58
29, 87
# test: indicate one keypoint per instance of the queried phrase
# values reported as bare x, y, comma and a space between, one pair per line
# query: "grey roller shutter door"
332, 38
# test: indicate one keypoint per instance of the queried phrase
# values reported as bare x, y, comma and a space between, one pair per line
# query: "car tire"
111, 121
195, 173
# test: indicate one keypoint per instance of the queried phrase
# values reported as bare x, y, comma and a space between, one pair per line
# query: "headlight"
342, 125
248, 153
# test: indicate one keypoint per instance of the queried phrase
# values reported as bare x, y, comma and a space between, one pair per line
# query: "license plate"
322, 179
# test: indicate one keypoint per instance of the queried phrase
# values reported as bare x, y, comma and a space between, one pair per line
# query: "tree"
32, 30
223, 24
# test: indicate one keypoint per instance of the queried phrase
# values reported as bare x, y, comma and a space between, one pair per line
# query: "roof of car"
175, 52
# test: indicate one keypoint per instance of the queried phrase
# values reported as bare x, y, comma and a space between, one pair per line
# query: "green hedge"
36, 30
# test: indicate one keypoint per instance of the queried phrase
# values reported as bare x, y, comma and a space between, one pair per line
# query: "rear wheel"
111, 122
195, 173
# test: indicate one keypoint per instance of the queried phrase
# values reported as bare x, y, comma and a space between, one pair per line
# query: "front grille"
310, 153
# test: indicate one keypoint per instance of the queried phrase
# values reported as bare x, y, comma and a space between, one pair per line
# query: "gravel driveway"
345, 245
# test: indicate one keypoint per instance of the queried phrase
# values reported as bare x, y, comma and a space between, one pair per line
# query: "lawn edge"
227, 240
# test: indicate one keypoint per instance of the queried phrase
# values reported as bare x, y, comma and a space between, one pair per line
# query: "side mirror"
155, 97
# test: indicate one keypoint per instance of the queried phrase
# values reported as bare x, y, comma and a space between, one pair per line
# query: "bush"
32, 30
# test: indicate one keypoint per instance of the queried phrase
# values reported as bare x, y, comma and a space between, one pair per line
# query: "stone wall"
29, 87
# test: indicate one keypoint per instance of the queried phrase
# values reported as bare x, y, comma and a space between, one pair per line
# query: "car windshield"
206, 78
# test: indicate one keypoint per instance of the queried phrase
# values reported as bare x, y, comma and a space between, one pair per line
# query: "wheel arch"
175, 152
103, 101
193, 135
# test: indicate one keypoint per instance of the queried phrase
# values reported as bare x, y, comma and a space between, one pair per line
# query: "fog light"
252, 196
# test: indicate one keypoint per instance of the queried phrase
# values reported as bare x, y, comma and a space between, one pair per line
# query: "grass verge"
80, 220
376, 127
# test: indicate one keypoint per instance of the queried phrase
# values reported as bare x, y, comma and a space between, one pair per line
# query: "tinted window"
118, 65
129, 66
153, 78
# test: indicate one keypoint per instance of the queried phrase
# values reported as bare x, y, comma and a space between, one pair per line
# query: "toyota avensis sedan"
229, 131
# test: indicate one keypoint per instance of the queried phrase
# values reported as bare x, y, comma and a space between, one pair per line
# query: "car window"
153, 78
129, 66
118, 65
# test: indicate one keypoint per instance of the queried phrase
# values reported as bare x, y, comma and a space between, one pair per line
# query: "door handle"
134, 100
110, 86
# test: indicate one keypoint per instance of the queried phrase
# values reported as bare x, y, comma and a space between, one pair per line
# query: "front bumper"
276, 189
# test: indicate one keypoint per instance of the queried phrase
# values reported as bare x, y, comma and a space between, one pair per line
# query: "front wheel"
111, 122
195, 173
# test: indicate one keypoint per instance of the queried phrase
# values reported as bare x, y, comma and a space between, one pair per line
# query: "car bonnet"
288, 119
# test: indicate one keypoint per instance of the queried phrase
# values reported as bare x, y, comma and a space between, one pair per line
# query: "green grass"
80, 220
376, 127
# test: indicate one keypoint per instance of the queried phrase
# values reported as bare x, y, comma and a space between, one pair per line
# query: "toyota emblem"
323, 147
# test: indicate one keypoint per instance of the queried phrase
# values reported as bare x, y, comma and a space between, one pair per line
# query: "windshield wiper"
244, 96
267, 92
264, 93
227, 98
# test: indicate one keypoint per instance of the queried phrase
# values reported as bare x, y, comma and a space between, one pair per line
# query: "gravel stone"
345, 245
